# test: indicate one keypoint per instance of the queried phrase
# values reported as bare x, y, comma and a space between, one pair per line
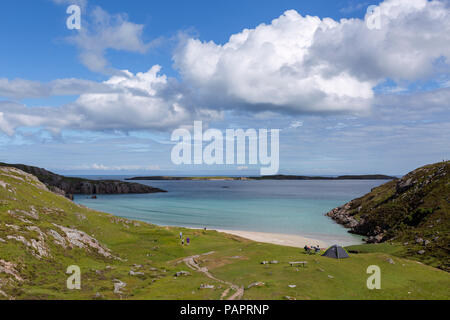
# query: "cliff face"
68, 186
414, 210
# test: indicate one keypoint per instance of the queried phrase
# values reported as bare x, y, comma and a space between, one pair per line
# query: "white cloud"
265, 67
141, 101
103, 31
305, 64
296, 124
413, 36
103, 167
296, 64
22, 88
352, 7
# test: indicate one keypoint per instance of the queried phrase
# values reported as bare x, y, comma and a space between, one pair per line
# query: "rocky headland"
413, 210
68, 186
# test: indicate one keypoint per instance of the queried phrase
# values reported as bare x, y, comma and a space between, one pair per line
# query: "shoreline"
282, 239
288, 240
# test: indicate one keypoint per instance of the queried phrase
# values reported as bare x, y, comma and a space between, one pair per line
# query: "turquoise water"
289, 207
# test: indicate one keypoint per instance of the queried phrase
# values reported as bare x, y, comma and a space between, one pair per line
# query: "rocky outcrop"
68, 186
414, 209
79, 239
341, 215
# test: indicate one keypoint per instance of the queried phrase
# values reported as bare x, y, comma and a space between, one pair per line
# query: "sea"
272, 206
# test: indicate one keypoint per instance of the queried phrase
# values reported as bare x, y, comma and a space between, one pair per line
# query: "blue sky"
105, 99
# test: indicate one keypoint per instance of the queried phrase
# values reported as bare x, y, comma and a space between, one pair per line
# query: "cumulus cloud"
103, 31
22, 88
128, 102
265, 67
307, 64
295, 64
412, 43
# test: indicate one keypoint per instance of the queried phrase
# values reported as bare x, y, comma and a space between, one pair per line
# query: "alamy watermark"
373, 17
74, 281
74, 20
374, 281
190, 149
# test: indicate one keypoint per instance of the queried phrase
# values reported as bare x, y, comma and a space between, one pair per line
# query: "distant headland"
274, 177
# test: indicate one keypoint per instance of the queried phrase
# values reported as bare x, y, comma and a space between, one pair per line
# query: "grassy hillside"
42, 233
413, 211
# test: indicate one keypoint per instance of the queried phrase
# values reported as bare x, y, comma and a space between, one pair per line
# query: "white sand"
277, 238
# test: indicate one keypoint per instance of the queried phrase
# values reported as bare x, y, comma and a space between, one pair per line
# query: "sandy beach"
277, 238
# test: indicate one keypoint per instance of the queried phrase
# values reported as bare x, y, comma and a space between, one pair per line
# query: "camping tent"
336, 252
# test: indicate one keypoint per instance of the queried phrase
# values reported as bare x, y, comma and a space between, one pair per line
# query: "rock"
80, 239
436, 238
3, 294
2, 240
421, 251
342, 216
133, 273
292, 285
331, 277
4, 184
404, 184
182, 273
118, 286
255, 284
426, 242
390, 261
10, 269
274, 262
289, 298
58, 239
38, 247
206, 286
264, 262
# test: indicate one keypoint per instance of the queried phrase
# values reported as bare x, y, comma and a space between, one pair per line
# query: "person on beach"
181, 234
188, 241
182, 242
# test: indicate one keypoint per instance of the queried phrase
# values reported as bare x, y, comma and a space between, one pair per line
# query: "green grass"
158, 250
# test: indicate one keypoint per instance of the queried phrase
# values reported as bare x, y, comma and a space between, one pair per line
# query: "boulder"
255, 284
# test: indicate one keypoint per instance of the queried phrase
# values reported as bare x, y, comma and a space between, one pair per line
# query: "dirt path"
192, 264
